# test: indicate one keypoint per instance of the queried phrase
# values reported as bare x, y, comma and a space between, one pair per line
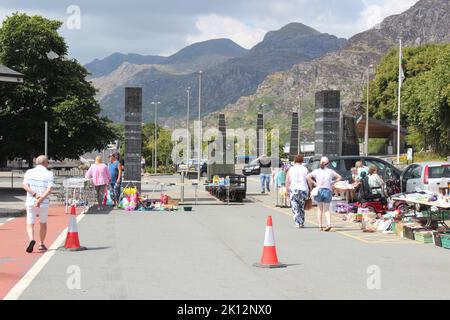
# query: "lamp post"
46, 139
200, 73
366, 131
156, 135
188, 140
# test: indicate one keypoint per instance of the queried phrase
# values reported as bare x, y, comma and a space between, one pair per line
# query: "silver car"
426, 176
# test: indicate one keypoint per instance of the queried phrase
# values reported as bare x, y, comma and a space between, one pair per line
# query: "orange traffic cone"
269, 257
72, 240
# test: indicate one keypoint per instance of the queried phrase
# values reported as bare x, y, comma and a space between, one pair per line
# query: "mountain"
217, 51
428, 21
228, 73
103, 67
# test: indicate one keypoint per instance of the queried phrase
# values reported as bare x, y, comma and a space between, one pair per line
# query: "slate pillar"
294, 136
327, 123
133, 134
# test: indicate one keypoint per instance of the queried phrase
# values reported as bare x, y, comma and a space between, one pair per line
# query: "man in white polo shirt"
38, 183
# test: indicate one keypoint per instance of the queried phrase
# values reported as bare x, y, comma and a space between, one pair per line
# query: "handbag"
308, 204
109, 201
315, 192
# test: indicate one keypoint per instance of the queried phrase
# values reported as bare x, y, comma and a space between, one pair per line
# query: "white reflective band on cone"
269, 240
73, 224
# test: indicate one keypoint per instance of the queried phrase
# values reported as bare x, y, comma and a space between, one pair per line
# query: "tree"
54, 90
425, 94
164, 142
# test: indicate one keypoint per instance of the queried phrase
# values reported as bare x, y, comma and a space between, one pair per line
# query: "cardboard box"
174, 202
399, 229
437, 239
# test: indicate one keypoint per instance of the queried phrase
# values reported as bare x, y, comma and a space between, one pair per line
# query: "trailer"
235, 190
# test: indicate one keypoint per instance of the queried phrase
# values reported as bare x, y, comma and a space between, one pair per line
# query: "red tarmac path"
14, 260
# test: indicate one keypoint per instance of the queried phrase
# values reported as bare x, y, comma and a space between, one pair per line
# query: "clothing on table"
265, 182
99, 173
298, 200
376, 184
39, 179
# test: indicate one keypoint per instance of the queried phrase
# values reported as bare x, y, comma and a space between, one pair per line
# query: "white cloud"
373, 14
215, 26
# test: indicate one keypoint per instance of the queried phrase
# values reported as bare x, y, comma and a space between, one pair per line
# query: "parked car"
343, 164
193, 167
425, 176
253, 168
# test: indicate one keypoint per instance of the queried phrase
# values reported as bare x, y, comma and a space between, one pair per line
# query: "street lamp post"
46, 139
199, 122
366, 131
156, 135
188, 140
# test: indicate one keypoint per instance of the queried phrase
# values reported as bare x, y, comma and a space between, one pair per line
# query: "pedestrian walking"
297, 186
38, 183
265, 166
142, 165
115, 171
322, 180
100, 177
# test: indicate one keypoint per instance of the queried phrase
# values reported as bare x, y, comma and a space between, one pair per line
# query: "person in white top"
323, 179
298, 188
38, 183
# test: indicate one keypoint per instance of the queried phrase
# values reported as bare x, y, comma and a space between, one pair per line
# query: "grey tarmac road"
208, 254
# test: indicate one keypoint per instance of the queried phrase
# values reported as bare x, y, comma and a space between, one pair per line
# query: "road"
209, 254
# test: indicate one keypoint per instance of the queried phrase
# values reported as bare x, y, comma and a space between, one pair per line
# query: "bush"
161, 169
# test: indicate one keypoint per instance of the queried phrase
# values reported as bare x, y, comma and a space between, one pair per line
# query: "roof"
9, 75
377, 128
432, 163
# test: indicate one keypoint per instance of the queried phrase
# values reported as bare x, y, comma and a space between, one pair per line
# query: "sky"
98, 28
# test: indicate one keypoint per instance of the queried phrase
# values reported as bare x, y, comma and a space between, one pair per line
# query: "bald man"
38, 183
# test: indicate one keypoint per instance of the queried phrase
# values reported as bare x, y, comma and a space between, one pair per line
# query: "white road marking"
23, 283
8, 220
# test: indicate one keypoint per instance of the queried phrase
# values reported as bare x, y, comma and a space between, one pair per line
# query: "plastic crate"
423, 237
437, 215
445, 240
437, 239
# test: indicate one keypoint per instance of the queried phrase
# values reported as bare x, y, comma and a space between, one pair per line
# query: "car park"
426, 176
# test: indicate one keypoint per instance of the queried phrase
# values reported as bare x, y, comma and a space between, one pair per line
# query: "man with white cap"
323, 180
